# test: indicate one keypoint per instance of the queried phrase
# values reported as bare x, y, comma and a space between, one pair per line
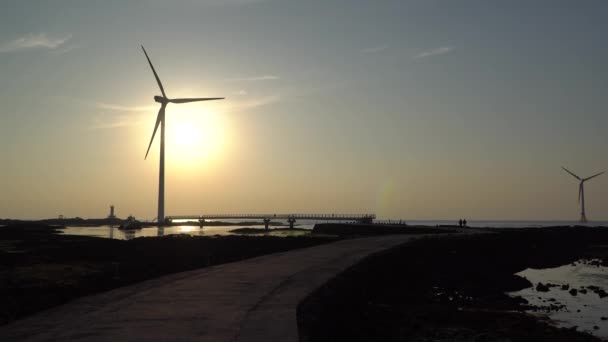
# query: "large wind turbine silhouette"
160, 120
581, 192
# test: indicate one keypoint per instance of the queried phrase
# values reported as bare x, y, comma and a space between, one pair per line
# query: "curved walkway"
250, 300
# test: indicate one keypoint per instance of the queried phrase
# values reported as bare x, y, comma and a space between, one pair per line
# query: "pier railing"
323, 217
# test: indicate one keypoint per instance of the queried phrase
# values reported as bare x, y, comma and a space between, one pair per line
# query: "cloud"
109, 121
375, 49
259, 102
232, 2
241, 92
120, 121
120, 108
435, 52
253, 78
65, 49
34, 41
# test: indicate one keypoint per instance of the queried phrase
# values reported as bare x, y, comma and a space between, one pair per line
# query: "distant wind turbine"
160, 120
581, 191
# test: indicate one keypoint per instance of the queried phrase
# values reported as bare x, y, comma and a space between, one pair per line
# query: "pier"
266, 218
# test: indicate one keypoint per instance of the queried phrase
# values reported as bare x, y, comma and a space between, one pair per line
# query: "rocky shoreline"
452, 288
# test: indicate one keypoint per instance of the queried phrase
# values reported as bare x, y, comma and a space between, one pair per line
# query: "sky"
409, 109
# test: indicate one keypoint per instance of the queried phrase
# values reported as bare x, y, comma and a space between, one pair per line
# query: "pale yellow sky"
406, 109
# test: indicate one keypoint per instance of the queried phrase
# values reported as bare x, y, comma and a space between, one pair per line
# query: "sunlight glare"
196, 134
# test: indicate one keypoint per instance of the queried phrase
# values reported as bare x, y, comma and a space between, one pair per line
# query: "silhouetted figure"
464, 222
460, 223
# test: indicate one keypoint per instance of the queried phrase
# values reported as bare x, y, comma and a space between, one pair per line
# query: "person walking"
464, 222
460, 223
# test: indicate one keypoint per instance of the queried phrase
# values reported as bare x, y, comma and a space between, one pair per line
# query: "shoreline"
42, 269
450, 288
117, 222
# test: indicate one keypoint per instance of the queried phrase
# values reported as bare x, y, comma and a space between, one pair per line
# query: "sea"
112, 232
585, 310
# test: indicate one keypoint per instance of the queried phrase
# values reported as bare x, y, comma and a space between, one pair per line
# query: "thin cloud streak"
435, 52
120, 121
65, 49
259, 102
374, 49
34, 41
120, 108
254, 78
232, 2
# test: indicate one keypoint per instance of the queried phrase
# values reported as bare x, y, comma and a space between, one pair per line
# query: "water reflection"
115, 233
584, 309
210, 230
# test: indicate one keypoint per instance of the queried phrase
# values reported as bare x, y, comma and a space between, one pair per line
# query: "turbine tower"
160, 120
581, 191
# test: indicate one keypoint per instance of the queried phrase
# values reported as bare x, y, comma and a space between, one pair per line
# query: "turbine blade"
160, 85
161, 114
588, 178
186, 100
575, 176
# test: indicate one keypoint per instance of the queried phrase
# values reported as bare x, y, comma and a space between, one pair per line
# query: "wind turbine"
581, 191
160, 120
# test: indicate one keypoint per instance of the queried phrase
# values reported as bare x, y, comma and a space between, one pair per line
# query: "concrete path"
250, 300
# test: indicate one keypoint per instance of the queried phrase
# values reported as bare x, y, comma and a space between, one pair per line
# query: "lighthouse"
111, 216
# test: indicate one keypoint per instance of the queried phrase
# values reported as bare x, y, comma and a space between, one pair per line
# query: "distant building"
111, 216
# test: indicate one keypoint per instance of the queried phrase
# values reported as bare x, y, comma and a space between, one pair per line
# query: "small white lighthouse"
111, 216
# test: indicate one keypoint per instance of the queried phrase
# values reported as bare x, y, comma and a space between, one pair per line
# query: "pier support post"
266, 222
366, 219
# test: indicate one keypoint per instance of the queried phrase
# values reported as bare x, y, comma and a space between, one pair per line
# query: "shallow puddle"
584, 310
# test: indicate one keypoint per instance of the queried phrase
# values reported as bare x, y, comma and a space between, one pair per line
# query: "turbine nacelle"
161, 99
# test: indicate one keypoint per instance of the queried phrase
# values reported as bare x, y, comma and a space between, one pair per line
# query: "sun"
186, 135
195, 134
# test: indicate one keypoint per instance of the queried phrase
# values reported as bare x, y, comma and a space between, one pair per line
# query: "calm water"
115, 233
584, 310
506, 223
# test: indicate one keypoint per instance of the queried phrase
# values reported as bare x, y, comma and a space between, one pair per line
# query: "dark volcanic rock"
390, 296
573, 292
45, 269
373, 229
540, 287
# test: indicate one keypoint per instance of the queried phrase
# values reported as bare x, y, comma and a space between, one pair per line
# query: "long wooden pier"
291, 218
